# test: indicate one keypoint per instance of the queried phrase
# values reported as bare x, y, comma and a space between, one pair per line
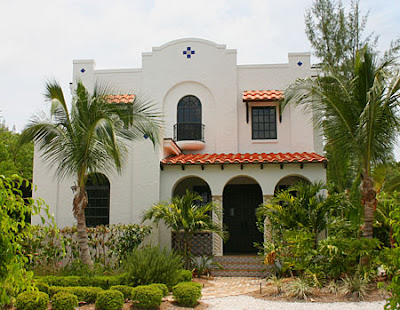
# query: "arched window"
189, 126
97, 211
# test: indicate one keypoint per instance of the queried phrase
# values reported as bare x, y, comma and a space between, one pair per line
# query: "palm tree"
89, 137
186, 215
359, 116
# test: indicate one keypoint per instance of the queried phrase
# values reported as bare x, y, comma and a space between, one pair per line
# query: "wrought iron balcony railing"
189, 131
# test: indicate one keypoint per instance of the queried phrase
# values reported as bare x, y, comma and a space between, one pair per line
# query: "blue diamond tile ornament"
299, 63
83, 70
188, 52
145, 136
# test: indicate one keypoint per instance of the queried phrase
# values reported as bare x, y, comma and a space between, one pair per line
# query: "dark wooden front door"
240, 203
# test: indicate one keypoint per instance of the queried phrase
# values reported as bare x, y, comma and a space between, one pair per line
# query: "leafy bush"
299, 288
185, 276
107, 245
87, 294
15, 229
110, 300
64, 301
187, 293
147, 296
162, 287
32, 301
124, 289
152, 265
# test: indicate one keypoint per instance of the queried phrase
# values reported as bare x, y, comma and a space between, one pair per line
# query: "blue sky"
40, 39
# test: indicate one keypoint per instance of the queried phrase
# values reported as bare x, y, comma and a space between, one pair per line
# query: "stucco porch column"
267, 227
217, 240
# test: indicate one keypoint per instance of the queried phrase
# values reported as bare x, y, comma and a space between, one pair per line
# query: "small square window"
263, 122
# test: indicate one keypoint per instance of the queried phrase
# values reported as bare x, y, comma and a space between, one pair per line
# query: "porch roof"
238, 158
262, 95
126, 98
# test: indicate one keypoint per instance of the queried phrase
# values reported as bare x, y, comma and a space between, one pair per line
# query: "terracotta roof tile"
262, 95
243, 158
128, 98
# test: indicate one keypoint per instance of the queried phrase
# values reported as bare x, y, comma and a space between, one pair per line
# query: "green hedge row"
84, 293
105, 282
144, 296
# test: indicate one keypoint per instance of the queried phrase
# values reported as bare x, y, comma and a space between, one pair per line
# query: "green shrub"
152, 265
124, 289
63, 281
87, 294
104, 282
184, 276
187, 293
355, 286
42, 286
64, 301
32, 301
162, 287
110, 300
147, 296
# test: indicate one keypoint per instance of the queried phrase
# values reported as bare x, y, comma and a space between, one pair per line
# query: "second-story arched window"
189, 126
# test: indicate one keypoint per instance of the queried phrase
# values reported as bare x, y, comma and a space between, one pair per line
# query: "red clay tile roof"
243, 158
262, 95
120, 98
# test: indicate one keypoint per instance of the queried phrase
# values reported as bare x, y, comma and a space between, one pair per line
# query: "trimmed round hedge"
187, 293
185, 276
124, 289
110, 300
162, 287
32, 301
64, 301
147, 296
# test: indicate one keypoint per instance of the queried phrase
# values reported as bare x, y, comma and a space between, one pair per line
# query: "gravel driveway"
250, 303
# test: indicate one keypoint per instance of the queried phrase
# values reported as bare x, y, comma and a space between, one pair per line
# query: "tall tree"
359, 116
89, 137
336, 34
14, 159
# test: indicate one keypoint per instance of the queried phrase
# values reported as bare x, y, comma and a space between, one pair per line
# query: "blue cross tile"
188, 52
83, 70
299, 63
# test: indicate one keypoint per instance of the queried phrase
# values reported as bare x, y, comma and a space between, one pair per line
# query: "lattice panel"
201, 243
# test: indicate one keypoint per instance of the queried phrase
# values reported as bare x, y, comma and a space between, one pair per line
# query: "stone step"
242, 265
239, 266
238, 258
238, 273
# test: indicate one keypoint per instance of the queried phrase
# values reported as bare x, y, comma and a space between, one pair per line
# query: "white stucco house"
224, 138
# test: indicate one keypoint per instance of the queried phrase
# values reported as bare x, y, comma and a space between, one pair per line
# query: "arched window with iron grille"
97, 212
189, 126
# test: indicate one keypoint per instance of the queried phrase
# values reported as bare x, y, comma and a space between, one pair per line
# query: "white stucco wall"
212, 75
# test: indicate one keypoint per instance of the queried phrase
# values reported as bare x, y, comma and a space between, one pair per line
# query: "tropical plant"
355, 286
186, 215
89, 137
299, 288
358, 115
301, 206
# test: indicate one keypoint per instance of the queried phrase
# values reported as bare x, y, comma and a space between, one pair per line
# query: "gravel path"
250, 303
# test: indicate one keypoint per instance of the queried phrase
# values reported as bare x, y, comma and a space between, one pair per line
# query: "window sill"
264, 141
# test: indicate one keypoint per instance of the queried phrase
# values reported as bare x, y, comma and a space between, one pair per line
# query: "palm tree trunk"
80, 202
368, 201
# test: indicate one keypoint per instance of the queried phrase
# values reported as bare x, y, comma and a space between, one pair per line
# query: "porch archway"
241, 197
